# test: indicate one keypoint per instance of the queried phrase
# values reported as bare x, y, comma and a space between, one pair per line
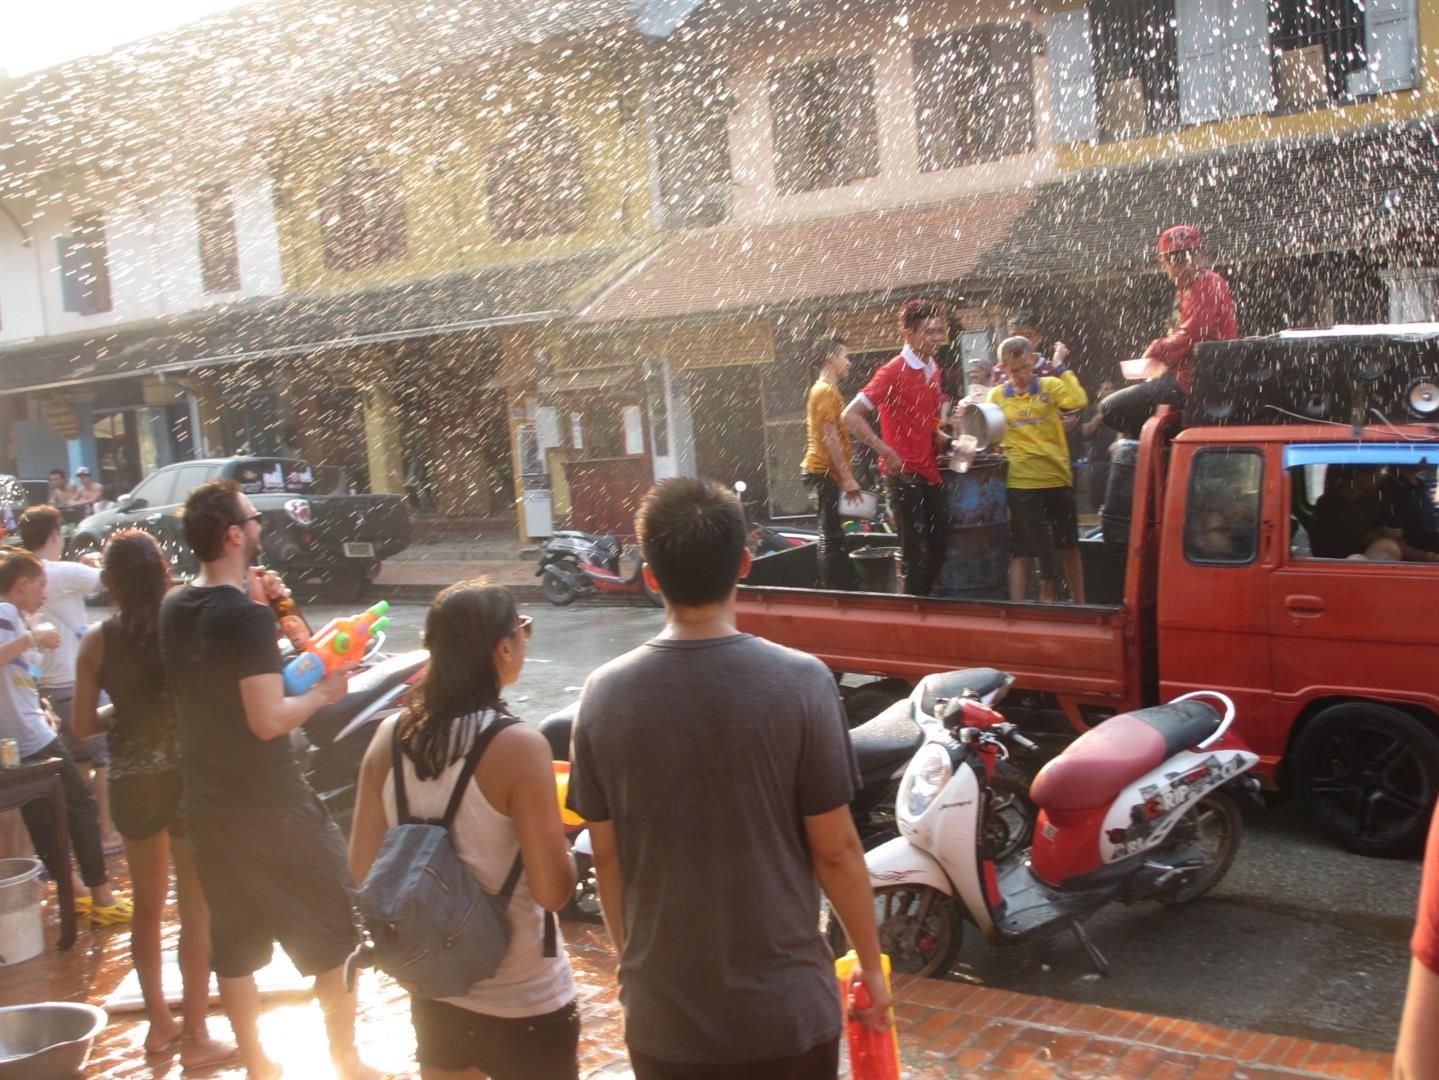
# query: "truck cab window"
1365, 512
1221, 523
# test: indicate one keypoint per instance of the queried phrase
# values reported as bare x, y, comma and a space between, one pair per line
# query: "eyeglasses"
525, 626
256, 516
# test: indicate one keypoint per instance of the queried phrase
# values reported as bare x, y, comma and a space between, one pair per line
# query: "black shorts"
1036, 511
505, 1048
143, 804
817, 1063
274, 875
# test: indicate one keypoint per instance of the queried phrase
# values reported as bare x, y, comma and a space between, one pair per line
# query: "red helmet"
1179, 238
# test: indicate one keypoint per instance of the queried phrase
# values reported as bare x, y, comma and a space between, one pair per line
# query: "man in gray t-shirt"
716, 772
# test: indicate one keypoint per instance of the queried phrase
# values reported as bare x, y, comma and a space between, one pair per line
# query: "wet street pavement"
1299, 940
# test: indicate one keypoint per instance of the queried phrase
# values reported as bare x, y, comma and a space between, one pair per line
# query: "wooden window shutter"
1071, 75
789, 111
857, 121
219, 250
1011, 95
84, 268
936, 112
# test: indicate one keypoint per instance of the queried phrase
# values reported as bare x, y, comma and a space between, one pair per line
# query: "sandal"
121, 911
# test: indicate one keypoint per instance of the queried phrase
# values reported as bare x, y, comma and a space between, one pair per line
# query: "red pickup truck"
1333, 662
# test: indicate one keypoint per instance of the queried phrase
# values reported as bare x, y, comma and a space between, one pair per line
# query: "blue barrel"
976, 557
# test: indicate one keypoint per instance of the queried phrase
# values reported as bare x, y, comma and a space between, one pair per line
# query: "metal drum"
976, 558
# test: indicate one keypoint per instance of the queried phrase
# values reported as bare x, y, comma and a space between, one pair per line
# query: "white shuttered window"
1071, 75
1224, 64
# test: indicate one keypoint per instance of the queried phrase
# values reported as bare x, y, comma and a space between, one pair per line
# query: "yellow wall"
1386, 108
438, 135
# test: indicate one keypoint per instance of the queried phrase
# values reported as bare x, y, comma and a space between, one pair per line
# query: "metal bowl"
50, 1040
985, 422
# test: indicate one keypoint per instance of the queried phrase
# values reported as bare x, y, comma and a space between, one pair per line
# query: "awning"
287, 326
1372, 191
742, 268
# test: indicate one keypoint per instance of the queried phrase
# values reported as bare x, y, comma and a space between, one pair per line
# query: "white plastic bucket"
22, 930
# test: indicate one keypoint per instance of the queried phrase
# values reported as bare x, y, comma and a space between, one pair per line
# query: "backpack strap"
397, 762
472, 759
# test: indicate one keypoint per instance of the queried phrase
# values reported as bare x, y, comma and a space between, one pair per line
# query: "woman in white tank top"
522, 1023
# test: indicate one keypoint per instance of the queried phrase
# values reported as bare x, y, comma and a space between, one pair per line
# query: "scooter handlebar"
1228, 712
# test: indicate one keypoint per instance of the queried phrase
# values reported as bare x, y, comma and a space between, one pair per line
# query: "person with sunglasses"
523, 1021
270, 862
1203, 311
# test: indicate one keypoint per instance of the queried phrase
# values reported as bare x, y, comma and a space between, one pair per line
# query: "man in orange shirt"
826, 465
1204, 311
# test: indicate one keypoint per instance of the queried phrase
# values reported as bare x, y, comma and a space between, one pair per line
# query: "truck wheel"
346, 586
1209, 836
1369, 774
920, 929
864, 703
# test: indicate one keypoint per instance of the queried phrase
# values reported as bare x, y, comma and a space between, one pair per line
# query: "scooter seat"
1182, 723
951, 684
1099, 764
885, 743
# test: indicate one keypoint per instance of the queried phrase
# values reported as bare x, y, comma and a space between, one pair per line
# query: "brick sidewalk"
947, 1029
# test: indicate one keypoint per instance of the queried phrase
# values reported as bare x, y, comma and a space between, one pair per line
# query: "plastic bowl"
862, 507
50, 1040
562, 787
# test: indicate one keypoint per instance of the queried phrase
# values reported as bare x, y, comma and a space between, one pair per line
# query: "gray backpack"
430, 925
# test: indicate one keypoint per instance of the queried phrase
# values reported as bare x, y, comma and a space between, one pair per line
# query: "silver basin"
48, 1041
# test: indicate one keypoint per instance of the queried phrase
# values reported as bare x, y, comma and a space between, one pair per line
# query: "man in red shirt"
1417, 1055
1204, 311
907, 395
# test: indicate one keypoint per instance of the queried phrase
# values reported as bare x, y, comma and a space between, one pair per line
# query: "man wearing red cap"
1204, 311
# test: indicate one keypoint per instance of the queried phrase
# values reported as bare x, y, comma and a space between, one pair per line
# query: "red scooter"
575, 564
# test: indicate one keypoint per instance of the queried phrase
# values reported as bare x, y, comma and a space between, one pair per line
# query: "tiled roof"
290, 325
212, 79
740, 268
1371, 191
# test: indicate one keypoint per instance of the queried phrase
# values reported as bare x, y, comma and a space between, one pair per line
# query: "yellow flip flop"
83, 904
121, 911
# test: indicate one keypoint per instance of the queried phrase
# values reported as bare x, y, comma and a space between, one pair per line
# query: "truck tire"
1369, 774
346, 585
864, 703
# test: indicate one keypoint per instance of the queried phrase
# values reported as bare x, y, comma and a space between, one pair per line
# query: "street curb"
426, 592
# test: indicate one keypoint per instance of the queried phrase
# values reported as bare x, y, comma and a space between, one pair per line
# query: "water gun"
342, 641
873, 1055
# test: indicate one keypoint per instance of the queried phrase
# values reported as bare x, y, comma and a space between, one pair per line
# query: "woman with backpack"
121, 656
522, 1022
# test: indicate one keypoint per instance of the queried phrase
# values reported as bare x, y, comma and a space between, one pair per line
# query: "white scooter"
1132, 810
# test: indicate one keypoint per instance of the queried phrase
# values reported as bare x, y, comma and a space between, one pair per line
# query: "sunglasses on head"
525, 625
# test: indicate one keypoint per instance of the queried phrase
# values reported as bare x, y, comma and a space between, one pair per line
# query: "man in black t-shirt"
271, 863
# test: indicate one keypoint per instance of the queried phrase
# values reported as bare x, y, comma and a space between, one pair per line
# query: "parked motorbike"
883, 747
575, 564
332, 743
1137, 808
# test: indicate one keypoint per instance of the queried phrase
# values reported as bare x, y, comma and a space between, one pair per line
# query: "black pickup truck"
314, 530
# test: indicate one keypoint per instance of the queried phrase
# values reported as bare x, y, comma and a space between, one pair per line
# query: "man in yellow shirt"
1041, 485
826, 464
